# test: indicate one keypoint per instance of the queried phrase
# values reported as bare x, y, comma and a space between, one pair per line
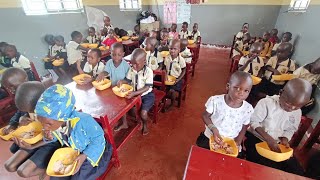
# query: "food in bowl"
60, 168
225, 148
28, 135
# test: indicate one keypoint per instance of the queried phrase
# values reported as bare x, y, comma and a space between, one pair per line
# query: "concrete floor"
163, 153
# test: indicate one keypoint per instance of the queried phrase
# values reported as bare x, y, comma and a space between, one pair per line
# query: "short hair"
117, 45
75, 34
13, 72
28, 94
92, 28
3, 46
97, 51
185, 23
12, 47
48, 38
245, 24
59, 38
288, 33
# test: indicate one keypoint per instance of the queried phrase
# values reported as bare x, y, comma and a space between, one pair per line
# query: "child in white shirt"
195, 34
92, 38
93, 66
185, 51
228, 115
184, 33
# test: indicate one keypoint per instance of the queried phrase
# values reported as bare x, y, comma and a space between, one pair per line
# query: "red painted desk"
105, 106
105, 53
204, 164
129, 43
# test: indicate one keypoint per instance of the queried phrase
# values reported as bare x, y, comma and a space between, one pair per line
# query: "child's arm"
83, 48
102, 76
25, 145
207, 121
268, 55
240, 137
243, 66
147, 86
181, 75
14, 122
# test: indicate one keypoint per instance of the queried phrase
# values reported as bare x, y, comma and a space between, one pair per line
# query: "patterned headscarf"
57, 103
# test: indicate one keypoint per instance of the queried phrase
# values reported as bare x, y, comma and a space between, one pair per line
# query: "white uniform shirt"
305, 74
184, 35
141, 79
21, 62
92, 39
228, 120
152, 61
254, 67
195, 35
283, 67
186, 54
73, 52
174, 67
99, 68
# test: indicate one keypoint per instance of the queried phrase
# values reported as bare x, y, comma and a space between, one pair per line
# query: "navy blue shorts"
177, 86
147, 101
87, 172
39, 156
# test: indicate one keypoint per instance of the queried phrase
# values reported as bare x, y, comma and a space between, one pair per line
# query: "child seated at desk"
252, 63
154, 60
19, 61
29, 160
79, 131
185, 51
274, 36
164, 41
92, 38
277, 65
195, 34
184, 33
173, 34
153, 34
275, 120
111, 39
107, 23
93, 66
74, 52
287, 36
241, 45
228, 115
104, 34
175, 66
267, 46
141, 78
244, 30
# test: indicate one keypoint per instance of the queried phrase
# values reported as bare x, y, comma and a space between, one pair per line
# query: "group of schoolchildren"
54, 105
275, 117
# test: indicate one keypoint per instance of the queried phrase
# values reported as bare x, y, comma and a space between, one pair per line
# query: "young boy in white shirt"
228, 115
93, 66
184, 33
154, 60
275, 120
92, 37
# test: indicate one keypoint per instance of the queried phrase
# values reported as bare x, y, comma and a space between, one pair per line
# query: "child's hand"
238, 141
217, 138
284, 141
87, 80
100, 77
276, 72
8, 129
273, 145
80, 159
47, 134
130, 95
23, 121
22, 144
119, 83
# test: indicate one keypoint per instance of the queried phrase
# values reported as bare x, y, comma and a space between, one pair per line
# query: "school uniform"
239, 35
239, 45
266, 52
254, 67
305, 74
108, 27
186, 54
227, 120
22, 62
74, 54
174, 68
184, 35
93, 39
139, 80
277, 122
117, 73
154, 59
173, 35
195, 35
93, 71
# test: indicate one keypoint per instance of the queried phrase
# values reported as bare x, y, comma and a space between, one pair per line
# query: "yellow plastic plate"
79, 79
85, 45
67, 155
103, 48
190, 41
264, 150
33, 126
170, 80
102, 85
283, 77
116, 90
119, 40
134, 38
165, 53
229, 141
92, 46
255, 80
125, 38
46, 59
6, 137
58, 62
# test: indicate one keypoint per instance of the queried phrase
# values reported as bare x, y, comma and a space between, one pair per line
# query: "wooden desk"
129, 43
204, 164
106, 107
105, 54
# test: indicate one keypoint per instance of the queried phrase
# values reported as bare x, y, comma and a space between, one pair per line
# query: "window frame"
293, 7
130, 9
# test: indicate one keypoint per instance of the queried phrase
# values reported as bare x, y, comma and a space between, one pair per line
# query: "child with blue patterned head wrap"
56, 111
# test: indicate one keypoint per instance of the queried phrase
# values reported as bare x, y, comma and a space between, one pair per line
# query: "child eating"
79, 131
252, 63
154, 60
92, 37
185, 51
275, 120
164, 41
244, 30
228, 115
93, 66
184, 33
267, 48
241, 45
141, 78
110, 39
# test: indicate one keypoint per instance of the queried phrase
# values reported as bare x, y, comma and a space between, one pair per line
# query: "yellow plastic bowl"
102, 85
170, 80
36, 126
5, 137
230, 142
190, 41
119, 40
46, 59
92, 46
85, 45
103, 48
58, 62
255, 80
165, 53
125, 38
79, 79
283, 77
67, 155
134, 38
264, 150
116, 90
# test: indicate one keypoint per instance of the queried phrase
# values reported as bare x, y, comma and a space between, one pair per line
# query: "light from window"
42, 7
130, 5
299, 5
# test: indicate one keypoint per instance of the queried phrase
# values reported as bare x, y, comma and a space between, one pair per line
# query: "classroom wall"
305, 28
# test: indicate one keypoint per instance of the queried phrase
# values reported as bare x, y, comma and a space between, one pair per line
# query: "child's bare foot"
120, 127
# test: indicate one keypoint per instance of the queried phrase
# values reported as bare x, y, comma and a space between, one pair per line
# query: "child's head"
183, 44
94, 56
111, 33
255, 49
104, 32
239, 86
274, 32
92, 31
3, 46
284, 51
55, 106
295, 94
59, 40
245, 27
164, 35
287, 36
266, 36
315, 67
153, 33
151, 44
12, 78
246, 38
117, 52
195, 27
11, 51
138, 59
49, 39
173, 27
27, 95
137, 29
184, 26
76, 36
107, 21
174, 48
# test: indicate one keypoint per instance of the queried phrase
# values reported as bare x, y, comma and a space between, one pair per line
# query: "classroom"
159, 89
